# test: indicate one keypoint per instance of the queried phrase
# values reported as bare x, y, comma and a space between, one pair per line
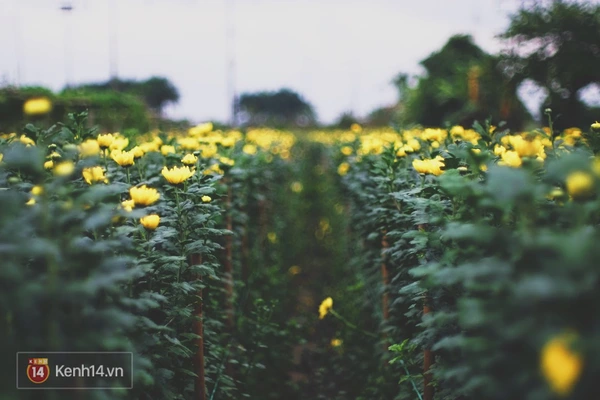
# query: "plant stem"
351, 325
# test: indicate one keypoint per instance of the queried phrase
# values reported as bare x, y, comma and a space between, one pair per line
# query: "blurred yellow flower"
64, 168
94, 174
30, 202
49, 164
26, 141
296, 187
580, 185
336, 342
128, 205
167, 149
37, 106
560, 365
511, 158
150, 221
209, 151
177, 175
189, 159
206, 199
123, 158
355, 128
343, 168
346, 150
272, 236
325, 306
119, 143
143, 195
89, 148
37, 190
249, 149
137, 152
294, 270
227, 161
105, 140
596, 126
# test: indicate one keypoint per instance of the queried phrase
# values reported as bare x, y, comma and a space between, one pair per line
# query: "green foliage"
563, 54
282, 108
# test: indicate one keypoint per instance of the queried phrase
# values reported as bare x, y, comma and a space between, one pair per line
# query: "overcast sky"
340, 54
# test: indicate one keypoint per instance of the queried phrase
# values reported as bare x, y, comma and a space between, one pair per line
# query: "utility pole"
232, 101
113, 41
67, 8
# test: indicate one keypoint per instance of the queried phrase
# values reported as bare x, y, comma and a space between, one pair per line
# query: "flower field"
450, 263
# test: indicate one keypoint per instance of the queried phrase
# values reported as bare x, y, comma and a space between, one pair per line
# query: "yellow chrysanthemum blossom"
189, 159
336, 342
249, 149
65, 168
26, 141
37, 106
150, 222
143, 195
343, 168
580, 185
89, 148
37, 190
128, 205
123, 158
94, 174
596, 126
167, 149
177, 175
560, 365
325, 306
206, 199
105, 140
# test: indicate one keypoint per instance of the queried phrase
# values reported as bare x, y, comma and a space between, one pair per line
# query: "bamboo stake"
200, 384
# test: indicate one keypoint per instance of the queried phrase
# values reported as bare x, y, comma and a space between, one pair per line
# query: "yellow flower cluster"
431, 166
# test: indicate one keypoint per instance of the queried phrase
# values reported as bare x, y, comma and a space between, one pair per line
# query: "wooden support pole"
200, 384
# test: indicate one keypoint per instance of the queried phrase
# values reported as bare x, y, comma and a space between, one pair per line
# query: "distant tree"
282, 108
462, 84
558, 46
346, 120
156, 92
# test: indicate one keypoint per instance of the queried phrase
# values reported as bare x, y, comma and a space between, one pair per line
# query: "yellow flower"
123, 158
89, 148
560, 365
325, 306
209, 151
596, 126
150, 221
177, 175
119, 143
37, 190
206, 199
54, 155
149, 147
336, 342
26, 141
227, 161
189, 159
137, 152
346, 150
294, 270
65, 168
511, 158
356, 128
94, 174
166, 149
1, 157
37, 106
343, 168
143, 195
249, 149
580, 185
296, 187
128, 205
105, 140
555, 193
272, 236
49, 164
30, 202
